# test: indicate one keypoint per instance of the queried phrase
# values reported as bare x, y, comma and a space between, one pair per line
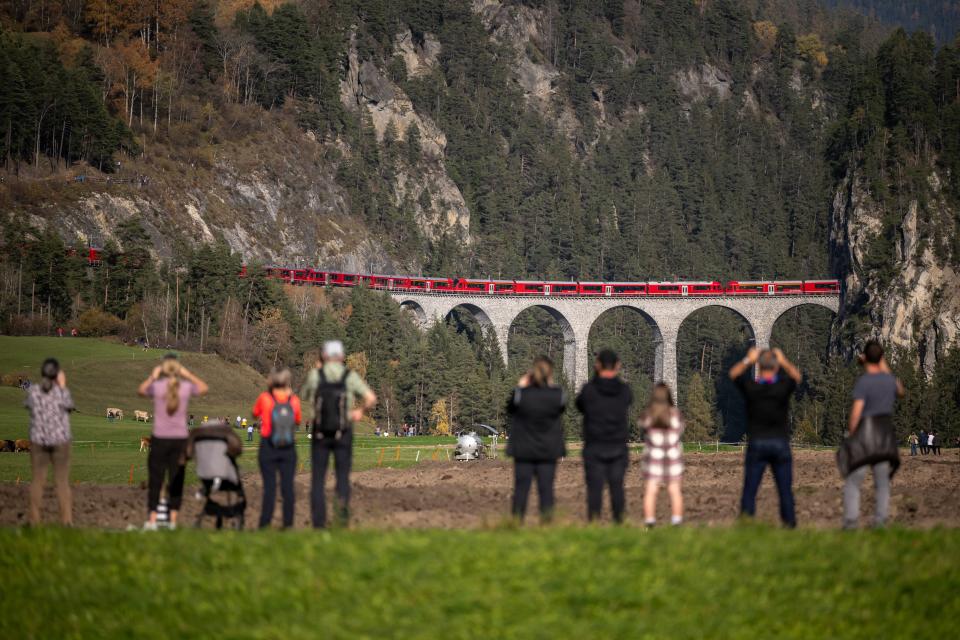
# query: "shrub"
97, 323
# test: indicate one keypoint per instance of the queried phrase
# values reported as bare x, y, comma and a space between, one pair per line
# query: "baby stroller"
215, 448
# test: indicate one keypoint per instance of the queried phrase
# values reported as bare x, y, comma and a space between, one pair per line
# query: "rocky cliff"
915, 305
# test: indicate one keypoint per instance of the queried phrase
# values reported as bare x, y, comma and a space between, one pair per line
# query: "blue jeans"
913, 449
776, 453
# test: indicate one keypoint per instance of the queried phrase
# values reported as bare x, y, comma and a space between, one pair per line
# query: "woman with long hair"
278, 409
662, 454
171, 386
536, 436
50, 405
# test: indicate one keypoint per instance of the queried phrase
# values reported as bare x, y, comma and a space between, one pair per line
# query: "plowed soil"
477, 494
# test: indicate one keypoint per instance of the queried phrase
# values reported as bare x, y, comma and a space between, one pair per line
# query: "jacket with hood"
604, 403
536, 430
873, 442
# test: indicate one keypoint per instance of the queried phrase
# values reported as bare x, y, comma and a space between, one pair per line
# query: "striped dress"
663, 450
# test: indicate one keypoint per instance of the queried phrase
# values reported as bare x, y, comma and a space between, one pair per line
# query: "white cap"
332, 349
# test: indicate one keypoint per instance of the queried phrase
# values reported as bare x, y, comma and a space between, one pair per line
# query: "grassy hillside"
745, 582
102, 373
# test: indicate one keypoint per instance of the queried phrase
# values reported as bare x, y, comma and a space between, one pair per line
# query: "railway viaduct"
577, 315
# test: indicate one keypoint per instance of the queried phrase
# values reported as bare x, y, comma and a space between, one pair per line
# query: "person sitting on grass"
662, 454
50, 405
171, 386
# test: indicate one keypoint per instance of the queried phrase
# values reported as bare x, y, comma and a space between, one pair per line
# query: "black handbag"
873, 442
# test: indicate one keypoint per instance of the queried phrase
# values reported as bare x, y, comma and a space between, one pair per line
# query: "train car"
788, 287
660, 289
821, 286
343, 279
444, 285
750, 288
531, 287
627, 288
465, 285
561, 289
591, 289
701, 289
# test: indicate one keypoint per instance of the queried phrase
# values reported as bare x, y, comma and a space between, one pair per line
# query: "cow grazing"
21, 445
8, 445
141, 416
144, 443
114, 413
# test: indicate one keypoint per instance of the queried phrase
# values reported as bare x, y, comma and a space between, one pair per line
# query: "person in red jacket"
276, 457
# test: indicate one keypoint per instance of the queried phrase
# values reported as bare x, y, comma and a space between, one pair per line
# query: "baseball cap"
332, 349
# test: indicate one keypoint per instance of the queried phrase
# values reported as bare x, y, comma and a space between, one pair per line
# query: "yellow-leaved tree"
439, 420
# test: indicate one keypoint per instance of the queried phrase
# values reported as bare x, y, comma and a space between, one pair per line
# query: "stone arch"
571, 344
481, 317
417, 310
793, 350
657, 342
711, 356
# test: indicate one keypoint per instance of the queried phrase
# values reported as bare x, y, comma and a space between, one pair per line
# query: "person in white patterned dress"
662, 454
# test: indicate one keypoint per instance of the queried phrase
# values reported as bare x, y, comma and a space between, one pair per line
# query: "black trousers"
165, 459
605, 469
342, 452
524, 472
273, 461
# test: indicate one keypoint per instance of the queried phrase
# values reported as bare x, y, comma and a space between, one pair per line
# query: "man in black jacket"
604, 403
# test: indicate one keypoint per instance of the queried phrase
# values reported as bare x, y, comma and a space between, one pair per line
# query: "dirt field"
471, 495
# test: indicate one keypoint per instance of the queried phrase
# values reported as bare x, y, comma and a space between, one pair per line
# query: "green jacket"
356, 386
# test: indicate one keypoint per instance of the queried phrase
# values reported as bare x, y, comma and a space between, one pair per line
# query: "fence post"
718, 446
380, 459
398, 453
418, 456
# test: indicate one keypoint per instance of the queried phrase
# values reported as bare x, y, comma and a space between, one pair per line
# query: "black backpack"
282, 423
330, 407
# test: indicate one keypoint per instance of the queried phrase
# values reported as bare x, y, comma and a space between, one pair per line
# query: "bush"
97, 323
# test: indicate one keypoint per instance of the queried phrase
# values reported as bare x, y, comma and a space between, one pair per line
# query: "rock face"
699, 83
919, 308
367, 88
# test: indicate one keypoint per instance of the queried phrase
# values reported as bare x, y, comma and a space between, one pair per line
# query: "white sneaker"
172, 526
149, 526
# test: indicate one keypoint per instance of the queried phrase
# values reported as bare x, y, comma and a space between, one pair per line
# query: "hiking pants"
523, 474
272, 461
41, 458
776, 453
165, 459
851, 494
342, 452
601, 470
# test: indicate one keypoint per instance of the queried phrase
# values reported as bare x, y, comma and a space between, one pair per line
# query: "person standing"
936, 443
912, 440
50, 404
662, 454
872, 440
604, 402
930, 440
249, 433
279, 412
923, 442
333, 391
171, 386
768, 433
535, 408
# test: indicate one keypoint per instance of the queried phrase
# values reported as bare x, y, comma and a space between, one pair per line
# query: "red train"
428, 284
